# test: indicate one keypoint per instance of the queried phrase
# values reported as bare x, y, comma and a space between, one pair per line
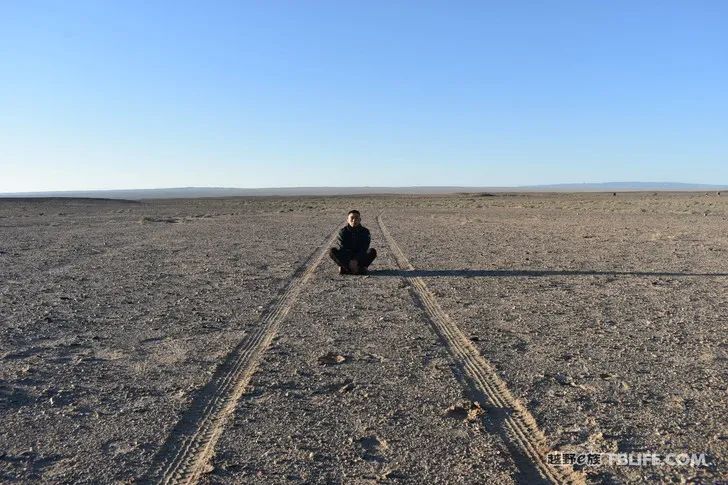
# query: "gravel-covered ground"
605, 315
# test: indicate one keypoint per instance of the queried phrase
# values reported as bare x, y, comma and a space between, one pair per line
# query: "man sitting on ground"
353, 254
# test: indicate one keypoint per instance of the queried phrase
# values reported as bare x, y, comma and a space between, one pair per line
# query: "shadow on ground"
483, 273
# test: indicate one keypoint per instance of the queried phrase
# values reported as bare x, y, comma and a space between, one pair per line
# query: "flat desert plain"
213, 341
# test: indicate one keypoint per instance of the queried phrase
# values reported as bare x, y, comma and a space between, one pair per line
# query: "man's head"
353, 218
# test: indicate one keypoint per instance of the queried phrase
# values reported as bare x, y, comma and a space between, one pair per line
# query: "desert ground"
213, 341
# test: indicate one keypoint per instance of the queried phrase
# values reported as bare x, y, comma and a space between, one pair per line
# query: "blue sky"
127, 94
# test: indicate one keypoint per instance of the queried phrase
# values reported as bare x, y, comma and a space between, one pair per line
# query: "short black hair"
353, 211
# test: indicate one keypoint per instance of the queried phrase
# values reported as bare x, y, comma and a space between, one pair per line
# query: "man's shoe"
343, 270
363, 271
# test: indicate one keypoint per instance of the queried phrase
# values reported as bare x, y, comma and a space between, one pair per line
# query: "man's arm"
340, 238
366, 240
363, 238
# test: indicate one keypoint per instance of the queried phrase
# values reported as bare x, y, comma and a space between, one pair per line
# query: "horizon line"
639, 184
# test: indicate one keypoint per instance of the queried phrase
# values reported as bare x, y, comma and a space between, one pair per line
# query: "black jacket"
354, 240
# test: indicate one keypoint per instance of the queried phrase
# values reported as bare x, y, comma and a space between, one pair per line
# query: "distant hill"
197, 192
623, 186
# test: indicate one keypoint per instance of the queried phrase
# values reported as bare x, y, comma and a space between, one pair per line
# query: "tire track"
505, 415
186, 454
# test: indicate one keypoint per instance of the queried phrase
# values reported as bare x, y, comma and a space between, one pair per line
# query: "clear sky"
141, 94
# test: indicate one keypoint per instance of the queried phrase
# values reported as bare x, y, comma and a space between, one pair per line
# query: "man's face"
353, 219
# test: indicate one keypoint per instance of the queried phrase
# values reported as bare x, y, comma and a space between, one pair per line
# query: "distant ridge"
623, 186
198, 192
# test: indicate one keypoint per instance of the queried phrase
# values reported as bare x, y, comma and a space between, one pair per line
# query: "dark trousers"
342, 257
